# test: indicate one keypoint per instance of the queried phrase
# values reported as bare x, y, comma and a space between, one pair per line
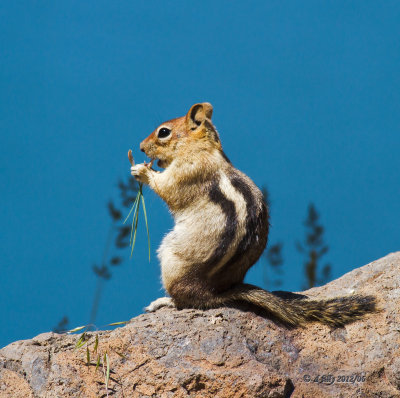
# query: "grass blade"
130, 211
118, 323
107, 371
81, 340
98, 362
147, 226
77, 329
96, 344
136, 205
133, 220
135, 227
87, 355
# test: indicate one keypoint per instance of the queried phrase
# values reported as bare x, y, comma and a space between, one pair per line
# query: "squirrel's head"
183, 136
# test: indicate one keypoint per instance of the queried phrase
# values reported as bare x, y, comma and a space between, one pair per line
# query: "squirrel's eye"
164, 132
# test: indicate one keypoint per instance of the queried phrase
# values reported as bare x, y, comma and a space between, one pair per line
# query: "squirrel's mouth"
162, 163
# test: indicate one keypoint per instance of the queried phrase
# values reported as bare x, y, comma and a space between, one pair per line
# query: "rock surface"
226, 352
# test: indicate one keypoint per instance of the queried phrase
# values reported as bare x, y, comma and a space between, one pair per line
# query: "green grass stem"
135, 219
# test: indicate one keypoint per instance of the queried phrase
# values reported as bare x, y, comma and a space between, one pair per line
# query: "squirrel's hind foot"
159, 303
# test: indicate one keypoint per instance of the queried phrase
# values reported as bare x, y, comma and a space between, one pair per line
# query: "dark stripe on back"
256, 234
228, 208
225, 157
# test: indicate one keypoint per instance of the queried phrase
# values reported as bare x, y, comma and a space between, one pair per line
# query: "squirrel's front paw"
141, 172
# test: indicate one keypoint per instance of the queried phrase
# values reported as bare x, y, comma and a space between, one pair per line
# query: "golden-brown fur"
221, 226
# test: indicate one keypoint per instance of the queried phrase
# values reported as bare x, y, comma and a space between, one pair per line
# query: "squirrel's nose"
142, 147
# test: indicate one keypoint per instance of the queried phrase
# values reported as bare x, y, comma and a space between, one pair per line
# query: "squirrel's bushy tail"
296, 312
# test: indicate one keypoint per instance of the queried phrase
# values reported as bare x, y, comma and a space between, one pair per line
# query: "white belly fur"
193, 239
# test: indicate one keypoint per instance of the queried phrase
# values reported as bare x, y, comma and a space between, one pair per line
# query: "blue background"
306, 98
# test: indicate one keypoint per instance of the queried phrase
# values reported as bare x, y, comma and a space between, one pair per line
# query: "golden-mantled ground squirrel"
221, 227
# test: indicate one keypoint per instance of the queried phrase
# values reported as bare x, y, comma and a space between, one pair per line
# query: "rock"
225, 352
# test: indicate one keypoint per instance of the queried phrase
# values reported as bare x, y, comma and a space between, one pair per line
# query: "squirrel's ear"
198, 113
